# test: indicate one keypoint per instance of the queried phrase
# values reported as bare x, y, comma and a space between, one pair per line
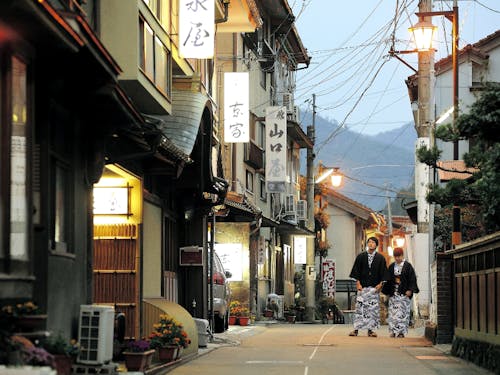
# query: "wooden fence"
477, 289
476, 271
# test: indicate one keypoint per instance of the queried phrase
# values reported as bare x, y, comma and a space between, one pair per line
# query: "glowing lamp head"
423, 34
336, 178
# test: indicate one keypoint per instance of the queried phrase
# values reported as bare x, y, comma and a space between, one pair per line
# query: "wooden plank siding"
115, 271
477, 289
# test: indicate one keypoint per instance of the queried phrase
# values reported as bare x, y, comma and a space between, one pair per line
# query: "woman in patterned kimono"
370, 272
400, 288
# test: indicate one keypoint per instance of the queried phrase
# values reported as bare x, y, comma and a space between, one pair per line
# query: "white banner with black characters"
236, 108
276, 149
196, 29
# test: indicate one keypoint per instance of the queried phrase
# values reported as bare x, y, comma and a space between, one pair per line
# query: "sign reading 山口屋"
236, 107
196, 29
275, 149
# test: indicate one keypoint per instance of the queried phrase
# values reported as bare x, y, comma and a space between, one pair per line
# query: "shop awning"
241, 209
268, 222
181, 128
288, 228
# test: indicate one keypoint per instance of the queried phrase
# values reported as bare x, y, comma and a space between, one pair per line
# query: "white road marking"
319, 342
274, 362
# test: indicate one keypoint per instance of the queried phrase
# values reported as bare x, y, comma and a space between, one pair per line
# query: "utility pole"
456, 236
310, 276
424, 127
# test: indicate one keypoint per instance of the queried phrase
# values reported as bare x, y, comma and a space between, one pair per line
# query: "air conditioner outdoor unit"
289, 204
302, 209
291, 218
95, 334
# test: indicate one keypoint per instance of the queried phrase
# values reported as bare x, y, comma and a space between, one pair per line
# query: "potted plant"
289, 313
271, 309
328, 310
33, 355
240, 313
138, 355
25, 317
233, 308
63, 351
169, 337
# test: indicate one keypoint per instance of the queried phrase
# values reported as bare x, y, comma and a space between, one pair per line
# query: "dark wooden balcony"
254, 155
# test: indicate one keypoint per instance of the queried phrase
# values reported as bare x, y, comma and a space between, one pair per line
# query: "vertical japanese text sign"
196, 28
329, 277
275, 149
236, 108
300, 249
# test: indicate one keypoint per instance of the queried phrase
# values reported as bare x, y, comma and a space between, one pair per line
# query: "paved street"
317, 349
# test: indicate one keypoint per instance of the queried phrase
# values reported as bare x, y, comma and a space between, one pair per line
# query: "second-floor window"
262, 188
155, 6
249, 181
155, 59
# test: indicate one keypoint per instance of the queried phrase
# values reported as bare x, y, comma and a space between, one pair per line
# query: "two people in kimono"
371, 275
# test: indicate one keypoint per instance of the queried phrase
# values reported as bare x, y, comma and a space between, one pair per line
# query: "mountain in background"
375, 167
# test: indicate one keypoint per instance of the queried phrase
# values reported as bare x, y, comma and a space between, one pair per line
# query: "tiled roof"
454, 169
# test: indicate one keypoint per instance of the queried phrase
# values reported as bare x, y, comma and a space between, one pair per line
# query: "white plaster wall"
341, 234
421, 265
152, 251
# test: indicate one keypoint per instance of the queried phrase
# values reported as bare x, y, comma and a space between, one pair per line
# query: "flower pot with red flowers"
240, 312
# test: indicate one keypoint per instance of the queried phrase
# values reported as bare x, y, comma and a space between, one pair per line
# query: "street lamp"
335, 179
426, 29
423, 35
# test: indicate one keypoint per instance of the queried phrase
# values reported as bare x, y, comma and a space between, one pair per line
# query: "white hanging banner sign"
275, 149
236, 108
299, 249
196, 29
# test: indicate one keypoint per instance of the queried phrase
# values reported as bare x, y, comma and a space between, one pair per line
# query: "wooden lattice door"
116, 271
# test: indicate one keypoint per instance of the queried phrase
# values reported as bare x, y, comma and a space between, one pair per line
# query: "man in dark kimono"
370, 272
